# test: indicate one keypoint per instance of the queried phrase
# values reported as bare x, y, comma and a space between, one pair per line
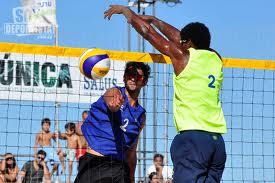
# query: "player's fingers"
108, 12
121, 100
110, 15
112, 11
116, 99
112, 103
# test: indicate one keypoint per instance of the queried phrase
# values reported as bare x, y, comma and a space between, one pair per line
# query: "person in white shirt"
163, 172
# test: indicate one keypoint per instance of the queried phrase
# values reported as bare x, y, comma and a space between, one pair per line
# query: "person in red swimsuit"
82, 151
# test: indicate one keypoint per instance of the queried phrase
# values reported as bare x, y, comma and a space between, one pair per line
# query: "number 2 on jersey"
212, 81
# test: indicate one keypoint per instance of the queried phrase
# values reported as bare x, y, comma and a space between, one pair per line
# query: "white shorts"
70, 154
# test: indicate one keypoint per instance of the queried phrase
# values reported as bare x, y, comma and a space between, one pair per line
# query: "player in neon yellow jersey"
198, 150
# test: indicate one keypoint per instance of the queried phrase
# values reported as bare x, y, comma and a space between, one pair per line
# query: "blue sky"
240, 29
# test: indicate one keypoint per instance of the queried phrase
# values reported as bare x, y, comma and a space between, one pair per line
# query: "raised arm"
47, 175
170, 32
36, 143
142, 27
179, 56
62, 136
21, 176
2, 165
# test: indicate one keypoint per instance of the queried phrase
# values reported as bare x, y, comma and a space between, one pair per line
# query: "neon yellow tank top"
196, 102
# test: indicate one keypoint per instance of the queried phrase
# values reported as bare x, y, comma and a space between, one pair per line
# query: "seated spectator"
35, 170
8, 169
163, 172
154, 178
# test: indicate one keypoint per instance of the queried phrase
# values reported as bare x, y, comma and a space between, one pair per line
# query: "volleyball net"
39, 82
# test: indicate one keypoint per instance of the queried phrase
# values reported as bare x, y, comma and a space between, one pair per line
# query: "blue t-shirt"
113, 133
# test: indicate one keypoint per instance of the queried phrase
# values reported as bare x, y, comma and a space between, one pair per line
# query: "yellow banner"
126, 56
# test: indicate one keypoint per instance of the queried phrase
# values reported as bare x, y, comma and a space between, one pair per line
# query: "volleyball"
94, 64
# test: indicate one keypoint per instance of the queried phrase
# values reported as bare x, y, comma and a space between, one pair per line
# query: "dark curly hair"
70, 126
42, 152
198, 33
45, 120
152, 174
130, 66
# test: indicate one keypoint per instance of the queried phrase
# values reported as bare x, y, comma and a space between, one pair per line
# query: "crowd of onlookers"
37, 170
32, 171
47, 158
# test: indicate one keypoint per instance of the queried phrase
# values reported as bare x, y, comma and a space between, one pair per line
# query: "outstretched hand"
114, 9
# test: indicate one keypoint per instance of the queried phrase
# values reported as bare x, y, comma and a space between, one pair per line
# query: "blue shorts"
198, 156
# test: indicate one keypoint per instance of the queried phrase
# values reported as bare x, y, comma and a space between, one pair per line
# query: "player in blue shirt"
112, 128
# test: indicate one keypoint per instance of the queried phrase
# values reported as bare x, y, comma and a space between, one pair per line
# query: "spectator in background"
82, 151
43, 140
154, 178
8, 169
36, 170
163, 172
73, 143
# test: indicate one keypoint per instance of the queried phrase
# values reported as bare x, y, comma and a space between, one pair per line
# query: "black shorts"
96, 169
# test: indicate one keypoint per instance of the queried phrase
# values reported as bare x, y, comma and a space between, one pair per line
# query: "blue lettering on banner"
99, 85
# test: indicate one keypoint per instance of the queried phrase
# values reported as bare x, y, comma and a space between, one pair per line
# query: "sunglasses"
41, 158
137, 77
10, 158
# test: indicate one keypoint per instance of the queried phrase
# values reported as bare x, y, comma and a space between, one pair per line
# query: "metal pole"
144, 104
129, 34
154, 94
56, 36
165, 114
56, 122
139, 144
57, 104
56, 127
